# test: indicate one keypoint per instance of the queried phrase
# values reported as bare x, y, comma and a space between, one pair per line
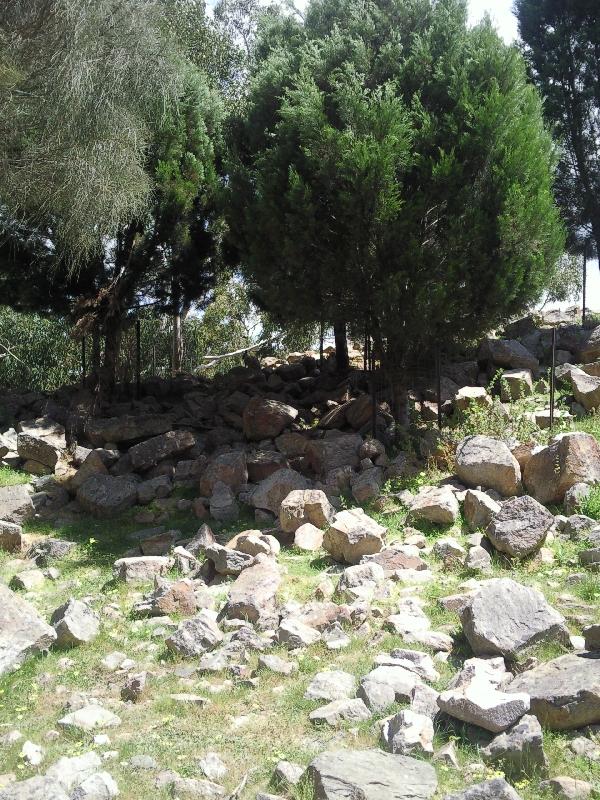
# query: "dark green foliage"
562, 48
393, 170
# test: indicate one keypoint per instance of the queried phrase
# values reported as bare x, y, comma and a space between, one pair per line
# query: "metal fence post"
83, 360
585, 249
438, 370
552, 378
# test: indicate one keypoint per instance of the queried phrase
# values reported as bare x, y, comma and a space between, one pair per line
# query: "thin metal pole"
585, 248
438, 369
373, 406
321, 337
552, 378
138, 358
83, 360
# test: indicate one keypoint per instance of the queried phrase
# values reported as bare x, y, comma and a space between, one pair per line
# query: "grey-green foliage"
80, 83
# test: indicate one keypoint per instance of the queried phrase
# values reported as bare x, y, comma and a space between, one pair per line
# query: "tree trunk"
177, 344
341, 347
112, 346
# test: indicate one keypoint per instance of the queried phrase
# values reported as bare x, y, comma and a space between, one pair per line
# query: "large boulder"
36, 788
139, 569
305, 505
266, 419
570, 458
589, 348
565, 692
504, 617
195, 636
106, 496
228, 468
334, 452
352, 535
253, 593
586, 389
519, 750
508, 353
520, 527
22, 631
173, 443
487, 462
270, 493
370, 775
15, 503
478, 509
127, 428
44, 450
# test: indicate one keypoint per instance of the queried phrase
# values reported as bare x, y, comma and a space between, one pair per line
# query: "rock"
203, 539
414, 660
333, 685
520, 527
352, 535
270, 493
228, 561
22, 631
127, 428
100, 786
496, 789
28, 579
139, 569
586, 389
15, 503
308, 537
168, 597
472, 396
223, 505
278, 665
400, 679
516, 383
367, 486
288, 774
565, 788
408, 733
565, 692
45, 551
44, 450
255, 543
481, 703
478, 559
32, 754
266, 419
376, 696
505, 617
150, 490
254, 591
11, 537
370, 775
571, 458
481, 460
294, 634
450, 551
331, 453
519, 750
435, 504
575, 497
592, 637
90, 718
107, 496
395, 558
195, 636
38, 788
70, 772
478, 509
582, 746
228, 468
148, 453
508, 353
212, 766
341, 711
303, 506
134, 686
75, 623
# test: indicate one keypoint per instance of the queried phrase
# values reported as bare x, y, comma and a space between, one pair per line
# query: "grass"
250, 728
12, 477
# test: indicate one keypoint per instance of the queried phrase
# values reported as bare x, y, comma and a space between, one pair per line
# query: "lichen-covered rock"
107, 496
352, 535
266, 419
303, 506
520, 526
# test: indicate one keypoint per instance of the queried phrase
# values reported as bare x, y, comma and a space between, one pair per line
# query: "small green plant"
590, 506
